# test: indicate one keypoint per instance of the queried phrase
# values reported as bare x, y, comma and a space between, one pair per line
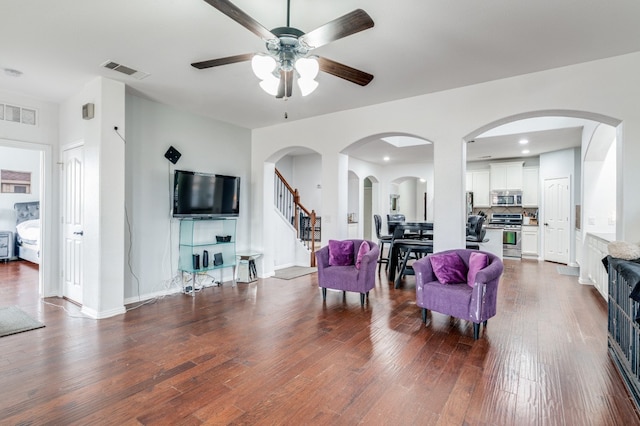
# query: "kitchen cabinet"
506, 176
529, 240
478, 183
530, 186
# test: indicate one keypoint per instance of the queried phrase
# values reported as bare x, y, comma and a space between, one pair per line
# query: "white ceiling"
415, 47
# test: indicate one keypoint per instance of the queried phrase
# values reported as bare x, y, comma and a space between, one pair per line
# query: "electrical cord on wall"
126, 215
83, 316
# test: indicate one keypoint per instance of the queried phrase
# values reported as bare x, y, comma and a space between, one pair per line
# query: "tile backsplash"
488, 211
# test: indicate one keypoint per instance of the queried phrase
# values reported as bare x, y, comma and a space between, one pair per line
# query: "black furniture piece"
624, 321
419, 246
382, 240
406, 248
393, 220
475, 228
305, 228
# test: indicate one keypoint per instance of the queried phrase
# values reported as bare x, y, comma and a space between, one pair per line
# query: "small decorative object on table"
223, 238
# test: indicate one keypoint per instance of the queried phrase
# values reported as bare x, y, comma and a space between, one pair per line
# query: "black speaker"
217, 259
205, 259
196, 261
172, 155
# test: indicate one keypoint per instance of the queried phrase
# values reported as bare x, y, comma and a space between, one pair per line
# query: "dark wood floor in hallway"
272, 353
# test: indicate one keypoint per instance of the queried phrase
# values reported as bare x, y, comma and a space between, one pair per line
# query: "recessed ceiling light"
386, 158
523, 141
525, 151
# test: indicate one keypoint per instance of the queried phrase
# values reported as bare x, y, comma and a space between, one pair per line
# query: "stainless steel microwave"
506, 198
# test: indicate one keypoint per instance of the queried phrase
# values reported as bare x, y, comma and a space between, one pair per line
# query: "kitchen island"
494, 245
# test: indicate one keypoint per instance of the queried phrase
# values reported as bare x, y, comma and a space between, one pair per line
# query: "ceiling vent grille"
125, 70
17, 114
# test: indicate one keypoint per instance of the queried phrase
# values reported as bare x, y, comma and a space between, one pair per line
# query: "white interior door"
72, 216
556, 220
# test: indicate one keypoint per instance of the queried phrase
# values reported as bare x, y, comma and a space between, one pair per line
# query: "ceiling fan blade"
233, 12
345, 72
222, 61
351, 23
285, 88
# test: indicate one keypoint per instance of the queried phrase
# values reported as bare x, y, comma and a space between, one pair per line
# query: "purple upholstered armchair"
346, 276
464, 297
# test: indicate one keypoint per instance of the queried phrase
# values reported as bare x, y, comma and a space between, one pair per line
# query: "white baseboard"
103, 314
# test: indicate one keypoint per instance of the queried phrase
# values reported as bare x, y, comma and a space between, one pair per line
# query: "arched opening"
292, 195
393, 162
575, 149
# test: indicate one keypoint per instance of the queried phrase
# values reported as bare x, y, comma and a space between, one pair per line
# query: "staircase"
306, 223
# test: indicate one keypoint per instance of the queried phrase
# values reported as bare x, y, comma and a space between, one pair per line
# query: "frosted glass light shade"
307, 68
307, 85
270, 85
263, 66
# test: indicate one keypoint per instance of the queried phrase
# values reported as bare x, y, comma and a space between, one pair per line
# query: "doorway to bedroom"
21, 190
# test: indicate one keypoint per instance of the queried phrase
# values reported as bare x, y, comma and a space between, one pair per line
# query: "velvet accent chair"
382, 240
471, 299
348, 277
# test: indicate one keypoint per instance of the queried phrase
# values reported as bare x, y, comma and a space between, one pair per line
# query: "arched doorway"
566, 138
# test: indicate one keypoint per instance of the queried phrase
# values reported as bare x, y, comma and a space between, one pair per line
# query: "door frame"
63, 148
46, 272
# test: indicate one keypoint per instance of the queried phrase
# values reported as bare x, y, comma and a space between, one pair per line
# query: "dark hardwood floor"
272, 353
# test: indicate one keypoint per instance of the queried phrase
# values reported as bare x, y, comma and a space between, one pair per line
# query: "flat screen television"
198, 194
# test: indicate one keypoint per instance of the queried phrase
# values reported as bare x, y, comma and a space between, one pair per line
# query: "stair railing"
305, 222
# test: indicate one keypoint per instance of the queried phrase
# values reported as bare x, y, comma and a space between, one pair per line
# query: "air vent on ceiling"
125, 70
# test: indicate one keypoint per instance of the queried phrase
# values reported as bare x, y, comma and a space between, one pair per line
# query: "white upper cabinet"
530, 186
478, 183
506, 176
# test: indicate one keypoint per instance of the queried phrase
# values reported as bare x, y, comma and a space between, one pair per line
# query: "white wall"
207, 146
599, 178
307, 178
560, 164
22, 160
608, 87
355, 189
42, 138
103, 192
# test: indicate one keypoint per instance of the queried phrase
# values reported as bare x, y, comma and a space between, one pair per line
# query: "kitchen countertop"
609, 237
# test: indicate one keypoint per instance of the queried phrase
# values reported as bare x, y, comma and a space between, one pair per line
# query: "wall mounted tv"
205, 195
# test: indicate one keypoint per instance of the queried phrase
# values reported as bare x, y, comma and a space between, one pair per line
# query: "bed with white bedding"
28, 231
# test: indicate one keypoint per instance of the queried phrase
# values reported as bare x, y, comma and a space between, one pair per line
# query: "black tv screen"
205, 195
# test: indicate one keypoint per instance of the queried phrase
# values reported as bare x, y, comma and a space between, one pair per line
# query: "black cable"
126, 215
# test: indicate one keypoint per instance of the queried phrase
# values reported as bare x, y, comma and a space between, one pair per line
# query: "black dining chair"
382, 240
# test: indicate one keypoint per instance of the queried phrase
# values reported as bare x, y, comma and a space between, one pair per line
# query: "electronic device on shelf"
197, 194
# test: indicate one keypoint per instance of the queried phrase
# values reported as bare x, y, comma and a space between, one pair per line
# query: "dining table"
408, 237
411, 238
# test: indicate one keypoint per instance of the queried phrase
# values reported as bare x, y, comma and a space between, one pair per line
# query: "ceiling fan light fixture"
307, 85
270, 85
308, 68
263, 66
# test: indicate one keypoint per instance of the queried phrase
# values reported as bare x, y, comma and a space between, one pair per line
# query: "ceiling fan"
288, 51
